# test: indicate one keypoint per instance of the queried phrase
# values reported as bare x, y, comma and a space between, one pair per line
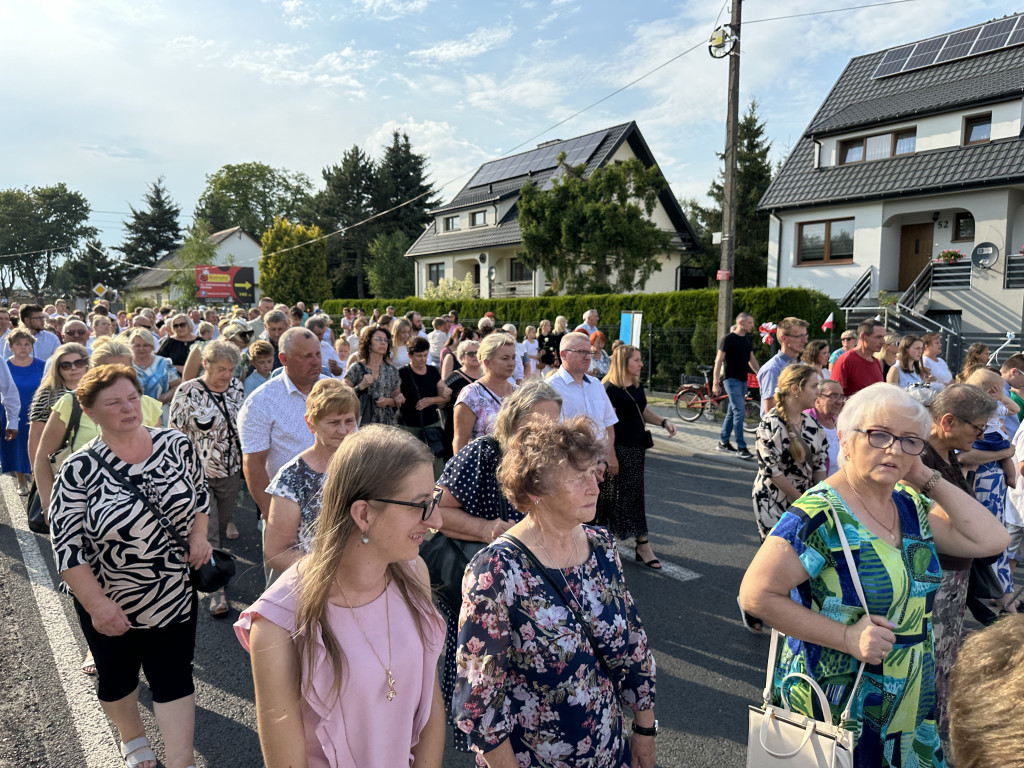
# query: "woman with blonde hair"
792, 451
621, 504
401, 332
479, 402
888, 355
340, 678
70, 362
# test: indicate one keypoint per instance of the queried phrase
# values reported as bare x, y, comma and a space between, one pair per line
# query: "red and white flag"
827, 325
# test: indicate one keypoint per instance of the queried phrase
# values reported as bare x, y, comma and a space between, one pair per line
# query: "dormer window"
878, 147
478, 219
451, 223
978, 129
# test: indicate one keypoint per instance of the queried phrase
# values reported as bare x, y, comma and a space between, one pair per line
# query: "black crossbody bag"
584, 624
209, 577
221, 400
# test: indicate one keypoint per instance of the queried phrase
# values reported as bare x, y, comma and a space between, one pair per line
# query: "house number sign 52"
944, 224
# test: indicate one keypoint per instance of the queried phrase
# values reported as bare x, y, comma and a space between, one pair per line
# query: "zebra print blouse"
96, 521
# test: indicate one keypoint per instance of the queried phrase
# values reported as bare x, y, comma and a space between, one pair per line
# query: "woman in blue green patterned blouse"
896, 513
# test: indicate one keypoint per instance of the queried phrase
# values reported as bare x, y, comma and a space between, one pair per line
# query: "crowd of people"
365, 439
885, 499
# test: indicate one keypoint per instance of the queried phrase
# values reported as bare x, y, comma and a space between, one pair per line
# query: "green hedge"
679, 309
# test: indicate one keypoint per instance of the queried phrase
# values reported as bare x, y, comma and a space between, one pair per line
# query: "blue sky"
107, 95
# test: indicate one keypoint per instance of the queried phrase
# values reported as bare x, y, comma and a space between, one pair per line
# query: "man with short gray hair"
331, 363
275, 323
590, 318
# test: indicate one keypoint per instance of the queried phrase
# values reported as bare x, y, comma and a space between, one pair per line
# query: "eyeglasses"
427, 507
879, 438
836, 396
67, 365
578, 351
978, 431
469, 354
180, 325
76, 332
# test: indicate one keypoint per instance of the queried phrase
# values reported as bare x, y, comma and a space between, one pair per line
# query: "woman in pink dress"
345, 644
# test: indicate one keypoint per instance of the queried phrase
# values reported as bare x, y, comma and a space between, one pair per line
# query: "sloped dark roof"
859, 102
506, 232
157, 277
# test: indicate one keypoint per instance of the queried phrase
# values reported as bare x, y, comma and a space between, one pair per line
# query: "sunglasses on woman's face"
67, 365
180, 325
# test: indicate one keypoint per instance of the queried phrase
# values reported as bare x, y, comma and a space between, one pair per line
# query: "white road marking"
94, 730
676, 572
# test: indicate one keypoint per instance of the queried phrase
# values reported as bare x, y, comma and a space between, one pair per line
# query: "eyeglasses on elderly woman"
879, 438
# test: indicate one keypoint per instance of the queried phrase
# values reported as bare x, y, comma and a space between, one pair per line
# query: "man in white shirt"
590, 318
583, 395
11, 400
931, 360
331, 364
5, 323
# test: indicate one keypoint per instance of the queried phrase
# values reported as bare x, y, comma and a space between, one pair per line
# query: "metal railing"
952, 277
917, 290
859, 291
1013, 277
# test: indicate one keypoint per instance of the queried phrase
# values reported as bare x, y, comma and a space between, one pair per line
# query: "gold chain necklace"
387, 608
891, 531
561, 571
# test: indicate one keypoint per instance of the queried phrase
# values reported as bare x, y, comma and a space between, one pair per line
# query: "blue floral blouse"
526, 670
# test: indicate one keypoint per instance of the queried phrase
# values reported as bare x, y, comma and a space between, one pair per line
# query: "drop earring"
364, 538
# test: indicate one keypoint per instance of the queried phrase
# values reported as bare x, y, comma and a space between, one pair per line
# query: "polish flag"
827, 325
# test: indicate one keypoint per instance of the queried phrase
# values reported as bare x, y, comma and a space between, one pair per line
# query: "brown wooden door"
915, 251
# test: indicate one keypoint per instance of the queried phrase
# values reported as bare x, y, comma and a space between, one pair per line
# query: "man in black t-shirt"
734, 359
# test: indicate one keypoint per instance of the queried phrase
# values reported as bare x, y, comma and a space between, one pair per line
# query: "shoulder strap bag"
366, 400
67, 443
431, 434
648, 437
584, 624
222, 404
210, 576
777, 735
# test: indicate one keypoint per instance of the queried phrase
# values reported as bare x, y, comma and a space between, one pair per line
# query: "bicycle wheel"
752, 416
688, 405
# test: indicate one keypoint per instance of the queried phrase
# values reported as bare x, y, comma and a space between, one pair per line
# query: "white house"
235, 246
477, 233
916, 149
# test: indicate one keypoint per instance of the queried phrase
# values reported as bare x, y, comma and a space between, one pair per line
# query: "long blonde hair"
618, 374
370, 463
797, 375
53, 378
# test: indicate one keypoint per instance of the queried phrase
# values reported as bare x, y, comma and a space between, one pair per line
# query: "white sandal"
136, 752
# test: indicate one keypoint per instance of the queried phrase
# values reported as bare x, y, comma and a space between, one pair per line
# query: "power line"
830, 10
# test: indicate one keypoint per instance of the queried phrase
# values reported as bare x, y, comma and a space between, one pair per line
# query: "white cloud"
392, 9
296, 14
529, 90
192, 46
474, 44
286, 64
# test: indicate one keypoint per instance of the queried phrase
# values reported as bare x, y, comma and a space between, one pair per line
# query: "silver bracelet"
936, 476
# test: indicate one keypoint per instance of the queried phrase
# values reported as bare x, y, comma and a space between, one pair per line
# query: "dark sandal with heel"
654, 563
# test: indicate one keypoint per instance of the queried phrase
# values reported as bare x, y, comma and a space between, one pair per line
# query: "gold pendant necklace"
387, 608
561, 571
896, 517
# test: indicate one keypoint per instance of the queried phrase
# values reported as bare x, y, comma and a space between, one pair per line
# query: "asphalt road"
709, 667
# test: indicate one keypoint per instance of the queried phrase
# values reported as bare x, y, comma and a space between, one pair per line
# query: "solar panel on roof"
893, 61
993, 36
958, 45
578, 150
1018, 35
924, 54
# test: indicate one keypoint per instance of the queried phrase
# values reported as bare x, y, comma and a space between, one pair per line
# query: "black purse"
446, 561
210, 576
366, 400
36, 520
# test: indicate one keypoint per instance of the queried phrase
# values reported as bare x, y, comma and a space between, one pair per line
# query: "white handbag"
777, 736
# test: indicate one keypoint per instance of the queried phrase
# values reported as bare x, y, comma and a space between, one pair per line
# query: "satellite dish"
984, 255
492, 273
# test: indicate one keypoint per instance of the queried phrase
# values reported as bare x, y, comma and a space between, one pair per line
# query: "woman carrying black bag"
130, 581
475, 511
423, 391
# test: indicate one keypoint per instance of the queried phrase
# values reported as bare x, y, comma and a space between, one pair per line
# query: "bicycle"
692, 401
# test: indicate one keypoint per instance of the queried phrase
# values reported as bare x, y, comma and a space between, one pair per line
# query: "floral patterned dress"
894, 708
526, 670
299, 482
484, 404
774, 458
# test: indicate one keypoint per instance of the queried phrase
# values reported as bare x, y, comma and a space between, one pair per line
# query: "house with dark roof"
477, 233
235, 246
916, 150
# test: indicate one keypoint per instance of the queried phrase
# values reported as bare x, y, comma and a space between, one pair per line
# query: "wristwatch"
645, 731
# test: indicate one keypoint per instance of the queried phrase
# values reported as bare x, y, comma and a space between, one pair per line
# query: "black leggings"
163, 653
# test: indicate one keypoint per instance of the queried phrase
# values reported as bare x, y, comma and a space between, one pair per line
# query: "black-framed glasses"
879, 438
978, 431
180, 325
67, 365
427, 507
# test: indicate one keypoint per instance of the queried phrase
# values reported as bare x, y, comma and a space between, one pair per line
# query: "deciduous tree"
593, 234
251, 196
196, 251
79, 274
295, 275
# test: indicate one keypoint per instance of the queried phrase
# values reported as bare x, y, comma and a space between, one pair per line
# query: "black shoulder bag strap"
221, 399
74, 422
584, 625
133, 489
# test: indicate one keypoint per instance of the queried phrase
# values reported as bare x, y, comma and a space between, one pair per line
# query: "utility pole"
726, 276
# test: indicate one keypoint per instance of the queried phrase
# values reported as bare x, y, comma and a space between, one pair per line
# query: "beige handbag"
777, 736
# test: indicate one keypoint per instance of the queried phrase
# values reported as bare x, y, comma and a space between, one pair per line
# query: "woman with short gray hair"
206, 411
474, 511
